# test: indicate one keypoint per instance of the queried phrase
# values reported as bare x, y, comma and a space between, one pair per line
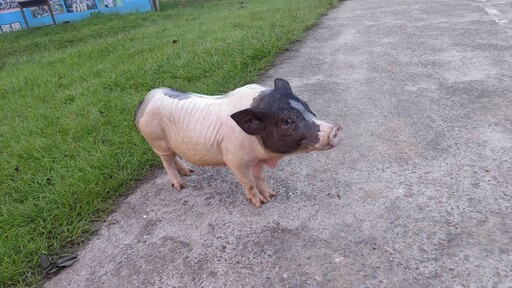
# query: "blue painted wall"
64, 10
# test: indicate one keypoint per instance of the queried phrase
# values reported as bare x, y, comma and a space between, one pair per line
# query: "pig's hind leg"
170, 164
182, 168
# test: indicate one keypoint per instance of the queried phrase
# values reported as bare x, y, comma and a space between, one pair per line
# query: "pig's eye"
286, 122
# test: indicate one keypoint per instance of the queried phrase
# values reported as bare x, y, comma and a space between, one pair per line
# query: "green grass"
68, 144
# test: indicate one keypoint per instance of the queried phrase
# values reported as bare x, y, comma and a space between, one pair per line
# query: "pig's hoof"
257, 200
186, 171
266, 192
179, 185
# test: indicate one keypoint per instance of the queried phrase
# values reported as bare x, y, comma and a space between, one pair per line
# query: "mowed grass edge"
68, 144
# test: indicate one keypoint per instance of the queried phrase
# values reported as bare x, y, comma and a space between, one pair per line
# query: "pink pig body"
207, 131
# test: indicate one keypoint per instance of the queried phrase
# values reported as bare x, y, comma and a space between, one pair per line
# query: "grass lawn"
67, 95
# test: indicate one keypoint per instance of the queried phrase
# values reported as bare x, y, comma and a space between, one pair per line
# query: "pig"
246, 129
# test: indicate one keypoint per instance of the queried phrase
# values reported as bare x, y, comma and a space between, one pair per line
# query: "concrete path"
418, 195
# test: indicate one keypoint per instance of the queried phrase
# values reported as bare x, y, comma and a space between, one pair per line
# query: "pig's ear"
282, 85
250, 120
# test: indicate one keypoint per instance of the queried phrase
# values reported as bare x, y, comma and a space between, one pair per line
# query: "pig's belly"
199, 154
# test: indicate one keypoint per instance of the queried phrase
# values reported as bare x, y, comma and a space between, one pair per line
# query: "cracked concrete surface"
419, 194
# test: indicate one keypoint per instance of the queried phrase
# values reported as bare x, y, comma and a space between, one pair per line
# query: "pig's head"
285, 124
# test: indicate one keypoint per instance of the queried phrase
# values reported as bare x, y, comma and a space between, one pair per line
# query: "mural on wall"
8, 6
9, 27
42, 11
80, 5
110, 3
64, 11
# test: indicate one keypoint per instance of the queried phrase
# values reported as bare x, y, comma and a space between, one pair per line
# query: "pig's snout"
329, 136
336, 136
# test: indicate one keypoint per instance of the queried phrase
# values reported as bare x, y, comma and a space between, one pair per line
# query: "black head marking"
281, 121
175, 94
138, 112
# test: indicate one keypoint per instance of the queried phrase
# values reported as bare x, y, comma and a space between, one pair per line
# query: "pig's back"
192, 125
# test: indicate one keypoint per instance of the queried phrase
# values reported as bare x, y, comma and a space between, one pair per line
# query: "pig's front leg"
243, 173
258, 172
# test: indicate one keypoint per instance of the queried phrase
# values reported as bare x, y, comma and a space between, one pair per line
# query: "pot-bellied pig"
246, 129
